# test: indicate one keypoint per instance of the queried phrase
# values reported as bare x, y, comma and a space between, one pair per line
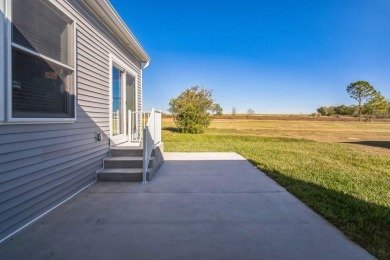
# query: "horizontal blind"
40, 29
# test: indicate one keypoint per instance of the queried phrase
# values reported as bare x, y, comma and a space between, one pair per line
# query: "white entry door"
123, 97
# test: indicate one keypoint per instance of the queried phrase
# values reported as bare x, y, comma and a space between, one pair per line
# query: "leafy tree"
388, 108
344, 110
192, 110
323, 111
250, 111
326, 111
331, 111
361, 91
233, 111
376, 105
337, 110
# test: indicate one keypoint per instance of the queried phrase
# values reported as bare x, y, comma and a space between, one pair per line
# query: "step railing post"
145, 155
154, 128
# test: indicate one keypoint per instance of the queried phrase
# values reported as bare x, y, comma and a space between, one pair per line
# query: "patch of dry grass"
355, 133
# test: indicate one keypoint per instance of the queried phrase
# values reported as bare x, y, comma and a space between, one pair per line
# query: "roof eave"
108, 15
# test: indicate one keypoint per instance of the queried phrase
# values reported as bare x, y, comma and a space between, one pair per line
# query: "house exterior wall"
42, 165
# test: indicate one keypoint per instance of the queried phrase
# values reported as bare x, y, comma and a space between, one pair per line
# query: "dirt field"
367, 136
293, 117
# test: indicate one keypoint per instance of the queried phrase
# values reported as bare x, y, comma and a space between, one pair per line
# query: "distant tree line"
371, 103
338, 110
250, 111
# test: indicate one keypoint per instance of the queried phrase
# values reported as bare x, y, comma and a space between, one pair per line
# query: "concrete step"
122, 151
118, 175
126, 162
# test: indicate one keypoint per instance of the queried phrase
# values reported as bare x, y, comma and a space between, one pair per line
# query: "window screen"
41, 88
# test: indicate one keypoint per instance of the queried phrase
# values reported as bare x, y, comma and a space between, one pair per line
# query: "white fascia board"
107, 14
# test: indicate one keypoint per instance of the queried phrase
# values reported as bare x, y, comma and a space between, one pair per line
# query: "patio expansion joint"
191, 192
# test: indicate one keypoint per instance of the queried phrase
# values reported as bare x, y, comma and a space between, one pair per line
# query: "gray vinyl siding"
41, 165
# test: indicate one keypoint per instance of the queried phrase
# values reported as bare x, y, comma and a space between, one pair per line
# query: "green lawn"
348, 186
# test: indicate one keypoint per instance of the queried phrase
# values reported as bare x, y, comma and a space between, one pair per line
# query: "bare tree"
250, 111
233, 111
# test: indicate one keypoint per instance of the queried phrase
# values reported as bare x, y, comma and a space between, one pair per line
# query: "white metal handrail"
136, 121
151, 137
116, 122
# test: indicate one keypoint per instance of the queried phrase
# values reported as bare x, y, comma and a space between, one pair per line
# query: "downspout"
144, 64
145, 161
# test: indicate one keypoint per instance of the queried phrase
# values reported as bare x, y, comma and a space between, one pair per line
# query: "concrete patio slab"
198, 206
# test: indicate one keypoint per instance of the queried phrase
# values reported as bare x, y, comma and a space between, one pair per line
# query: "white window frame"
6, 90
118, 63
2, 60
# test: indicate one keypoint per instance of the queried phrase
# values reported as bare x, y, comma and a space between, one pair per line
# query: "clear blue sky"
274, 56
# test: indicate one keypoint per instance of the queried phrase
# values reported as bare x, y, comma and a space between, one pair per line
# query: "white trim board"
2, 60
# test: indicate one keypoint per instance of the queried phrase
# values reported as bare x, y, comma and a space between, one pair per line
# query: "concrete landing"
198, 206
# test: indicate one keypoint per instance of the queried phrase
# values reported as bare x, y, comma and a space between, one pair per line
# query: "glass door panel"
130, 103
117, 117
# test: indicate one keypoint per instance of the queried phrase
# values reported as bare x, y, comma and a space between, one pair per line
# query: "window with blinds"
42, 61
